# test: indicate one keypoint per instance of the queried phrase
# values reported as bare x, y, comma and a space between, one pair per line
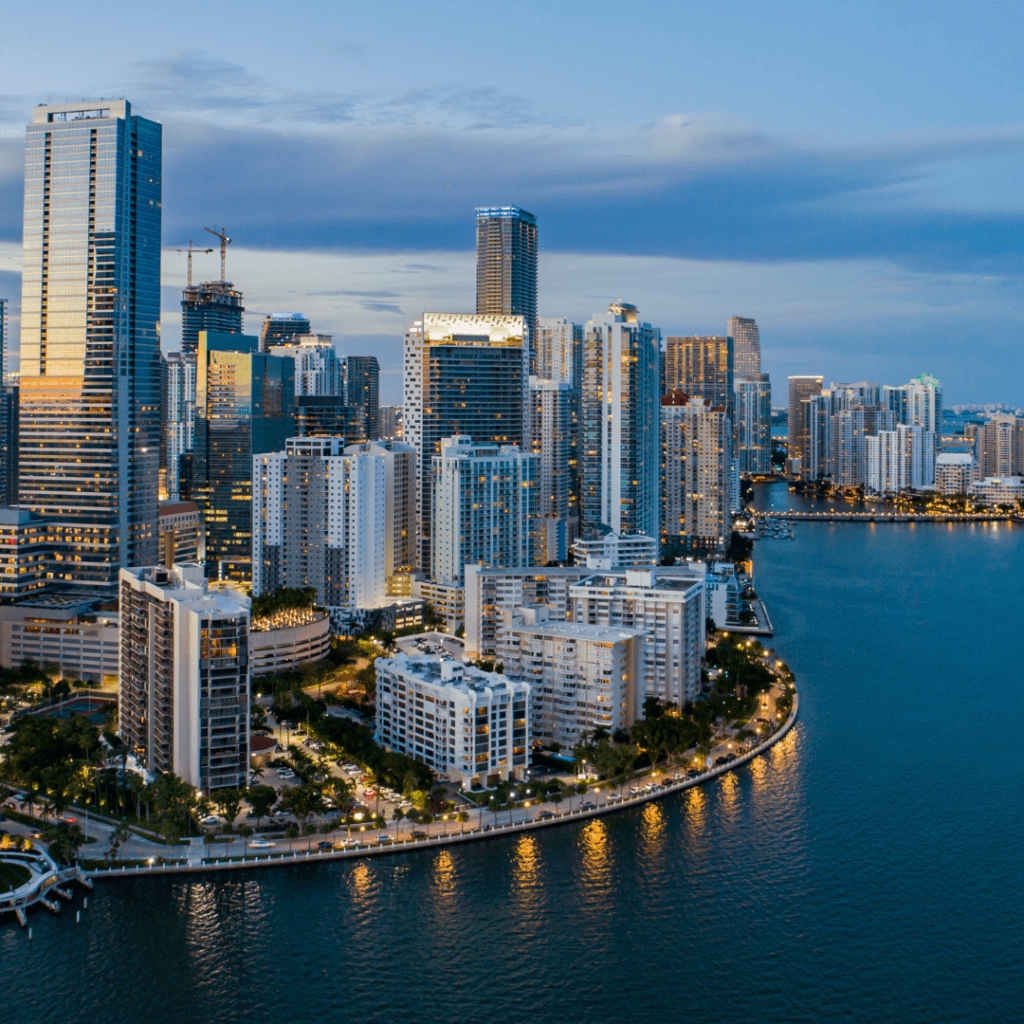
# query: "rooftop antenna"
221, 233
191, 249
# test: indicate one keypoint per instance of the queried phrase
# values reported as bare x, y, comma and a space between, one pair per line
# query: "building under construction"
209, 306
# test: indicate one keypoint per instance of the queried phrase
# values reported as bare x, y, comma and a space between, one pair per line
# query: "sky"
849, 174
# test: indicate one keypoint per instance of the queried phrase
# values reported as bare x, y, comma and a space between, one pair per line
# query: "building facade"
800, 389
900, 459
90, 333
506, 266
281, 328
954, 472
470, 726
210, 306
753, 405
701, 367
746, 348
362, 389
554, 434
179, 419
182, 531
485, 508
184, 675
462, 374
559, 350
619, 425
245, 405
318, 370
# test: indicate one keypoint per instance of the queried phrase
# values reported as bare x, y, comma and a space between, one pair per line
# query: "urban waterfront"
867, 868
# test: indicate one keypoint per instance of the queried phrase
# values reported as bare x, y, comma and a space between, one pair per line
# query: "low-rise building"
613, 551
26, 553
289, 639
470, 726
725, 600
954, 472
668, 607
447, 600
581, 677
998, 490
184, 675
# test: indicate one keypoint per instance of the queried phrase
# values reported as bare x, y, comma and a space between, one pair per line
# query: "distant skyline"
848, 177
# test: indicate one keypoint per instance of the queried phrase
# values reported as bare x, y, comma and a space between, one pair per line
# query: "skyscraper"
179, 416
754, 425
462, 374
245, 405
554, 433
506, 265
209, 306
702, 367
90, 334
559, 350
362, 389
800, 388
280, 328
8, 454
746, 348
619, 424
318, 370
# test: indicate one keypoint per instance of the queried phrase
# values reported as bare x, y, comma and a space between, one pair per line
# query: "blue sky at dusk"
850, 174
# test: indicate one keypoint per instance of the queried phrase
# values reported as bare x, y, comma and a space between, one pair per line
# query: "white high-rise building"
581, 677
954, 472
320, 519
554, 437
754, 425
900, 459
184, 675
670, 610
318, 371
470, 726
559, 350
619, 424
484, 508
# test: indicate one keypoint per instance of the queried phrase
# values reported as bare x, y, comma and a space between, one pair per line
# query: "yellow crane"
221, 233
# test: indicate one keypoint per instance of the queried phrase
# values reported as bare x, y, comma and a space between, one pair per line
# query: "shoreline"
449, 838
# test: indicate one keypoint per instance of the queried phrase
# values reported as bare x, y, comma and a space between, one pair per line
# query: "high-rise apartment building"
281, 328
8, 451
800, 388
462, 374
554, 433
581, 677
362, 389
183, 701
619, 424
746, 348
1000, 446
701, 367
695, 470
90, 334
506, 266
900, 459
559, 350
209, 306
320, 520
753, 405
329, 416
318, 370
10, 403
245, 405
954, 472
484, 508
179, 417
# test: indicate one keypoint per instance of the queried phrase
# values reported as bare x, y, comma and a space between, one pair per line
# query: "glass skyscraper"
245, 406
746, 346
506, 265
90, 335
209, 306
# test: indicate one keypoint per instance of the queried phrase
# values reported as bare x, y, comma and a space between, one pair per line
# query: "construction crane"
221, 233
191, 249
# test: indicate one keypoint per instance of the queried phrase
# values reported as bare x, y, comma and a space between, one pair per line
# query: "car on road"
417, 834
720, 760
261, 844
210, 820
544, 815
346, 844
383, 839
324, 845
588, 805
693, 773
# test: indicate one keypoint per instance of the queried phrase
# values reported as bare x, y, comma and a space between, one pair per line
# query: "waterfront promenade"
889, 517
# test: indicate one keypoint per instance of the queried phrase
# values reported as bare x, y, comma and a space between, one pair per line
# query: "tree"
64, 840
173, 798
230, 803
292, 832
261, 799
118, 838
463, 818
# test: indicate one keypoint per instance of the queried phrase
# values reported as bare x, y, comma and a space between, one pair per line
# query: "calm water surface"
868, 869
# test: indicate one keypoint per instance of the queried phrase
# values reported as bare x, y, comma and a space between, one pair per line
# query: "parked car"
261, 844
324, 845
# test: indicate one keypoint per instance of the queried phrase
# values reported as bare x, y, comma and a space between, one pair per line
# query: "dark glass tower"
506, 266
362, 389
245, 405
279, 328
90, 335
210, 306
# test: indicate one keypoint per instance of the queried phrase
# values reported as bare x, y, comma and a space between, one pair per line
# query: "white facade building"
180, 426
484, 508
318, 370
669, 608
466, 724
900, 459
954, 472
725, 602
320, 520
754, 425
613, 551
581, 677
998, 490
184, 675
559, 349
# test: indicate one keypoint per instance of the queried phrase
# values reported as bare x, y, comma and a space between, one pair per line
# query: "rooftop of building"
661, 579
574, 630
443, 670
178, 508
12, 515
954, 459
514, 212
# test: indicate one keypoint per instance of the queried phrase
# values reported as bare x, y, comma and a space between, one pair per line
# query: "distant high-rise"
90, 334
280, 328
8, 453
245, 405
702, 367
559, 350
554, 433
800, 388
362, 389
619, 424
318, 370
746, 348
506, 265
179, 417
462, 374
753, 425
209, 306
